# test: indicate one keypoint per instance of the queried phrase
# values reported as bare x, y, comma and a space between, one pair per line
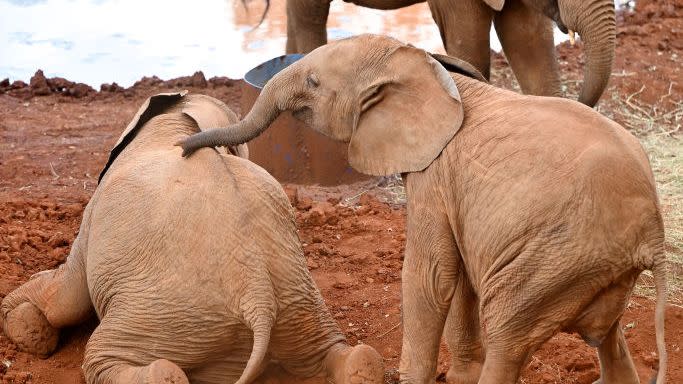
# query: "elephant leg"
500, 369
429, 279
527, 39
107, 361
33, 313
462, 335
616, 365
306, 25
465, 26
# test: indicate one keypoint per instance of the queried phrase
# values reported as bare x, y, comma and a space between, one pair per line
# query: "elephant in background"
524, 28
527, 215
194, 269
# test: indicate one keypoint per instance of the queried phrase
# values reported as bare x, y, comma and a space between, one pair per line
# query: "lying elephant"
185, 264
526, 215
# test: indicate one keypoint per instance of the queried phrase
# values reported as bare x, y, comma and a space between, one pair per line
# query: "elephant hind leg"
32, 314
108, 359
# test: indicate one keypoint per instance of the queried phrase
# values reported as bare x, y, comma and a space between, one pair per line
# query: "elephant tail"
263, 15
259, 349
659, 272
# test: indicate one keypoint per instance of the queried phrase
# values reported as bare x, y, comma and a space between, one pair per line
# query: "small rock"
38, 84
292, 194
312, 264
18, 84
218, 81
369, 280
198, 80
80, 90
303, 203
390, 352
113, 87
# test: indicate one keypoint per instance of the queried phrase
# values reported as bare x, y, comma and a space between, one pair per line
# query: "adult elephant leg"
306, 25
429, 280
462, 335
464, 26
616, 365
106, 361
527, 39
33, 313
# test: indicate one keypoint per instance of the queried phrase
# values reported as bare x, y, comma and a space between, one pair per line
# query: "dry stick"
389, 331
671, 84
54, 173
636, 107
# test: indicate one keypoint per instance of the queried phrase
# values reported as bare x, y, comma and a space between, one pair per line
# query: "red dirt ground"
54, 146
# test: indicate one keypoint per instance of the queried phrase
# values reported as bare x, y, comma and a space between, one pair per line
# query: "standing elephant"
524, 28
194, 269
527, 215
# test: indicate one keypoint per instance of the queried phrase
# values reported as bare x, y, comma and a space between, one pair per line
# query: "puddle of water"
98, 41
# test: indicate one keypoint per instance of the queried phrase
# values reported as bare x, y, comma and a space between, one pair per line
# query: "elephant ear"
453, 64
405, 120
210, 113
153, 106
206, 111
495, 4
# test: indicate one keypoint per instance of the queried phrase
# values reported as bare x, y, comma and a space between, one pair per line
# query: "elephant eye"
312, 80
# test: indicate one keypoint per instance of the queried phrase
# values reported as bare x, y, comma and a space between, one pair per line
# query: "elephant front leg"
527, 39
33, 313
306, 25
464, 26
429, 276
463, 336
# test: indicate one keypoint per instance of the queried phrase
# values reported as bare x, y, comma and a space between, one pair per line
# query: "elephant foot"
364, 365
354, 365
28, 328
164, 372
464, 373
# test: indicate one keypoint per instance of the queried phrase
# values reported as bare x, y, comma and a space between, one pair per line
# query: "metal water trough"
289, 150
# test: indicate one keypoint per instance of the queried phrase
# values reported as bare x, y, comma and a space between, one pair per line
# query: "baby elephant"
526, 215
194, 269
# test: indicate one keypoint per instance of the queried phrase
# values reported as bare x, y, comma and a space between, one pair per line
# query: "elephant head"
395, 104
595, 21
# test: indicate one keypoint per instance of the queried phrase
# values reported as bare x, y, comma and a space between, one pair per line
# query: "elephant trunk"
595, 21
275, 98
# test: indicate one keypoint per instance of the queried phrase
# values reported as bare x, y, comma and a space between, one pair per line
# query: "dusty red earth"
55, 138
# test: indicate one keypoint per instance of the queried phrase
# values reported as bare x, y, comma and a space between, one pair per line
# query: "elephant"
526, 215
524, 28
224, 297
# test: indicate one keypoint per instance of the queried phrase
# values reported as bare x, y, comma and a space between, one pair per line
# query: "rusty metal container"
289, 150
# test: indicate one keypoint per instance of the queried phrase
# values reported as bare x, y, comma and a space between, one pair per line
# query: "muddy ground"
55, 138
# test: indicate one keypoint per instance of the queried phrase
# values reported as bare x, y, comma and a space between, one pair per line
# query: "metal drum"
289, 150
